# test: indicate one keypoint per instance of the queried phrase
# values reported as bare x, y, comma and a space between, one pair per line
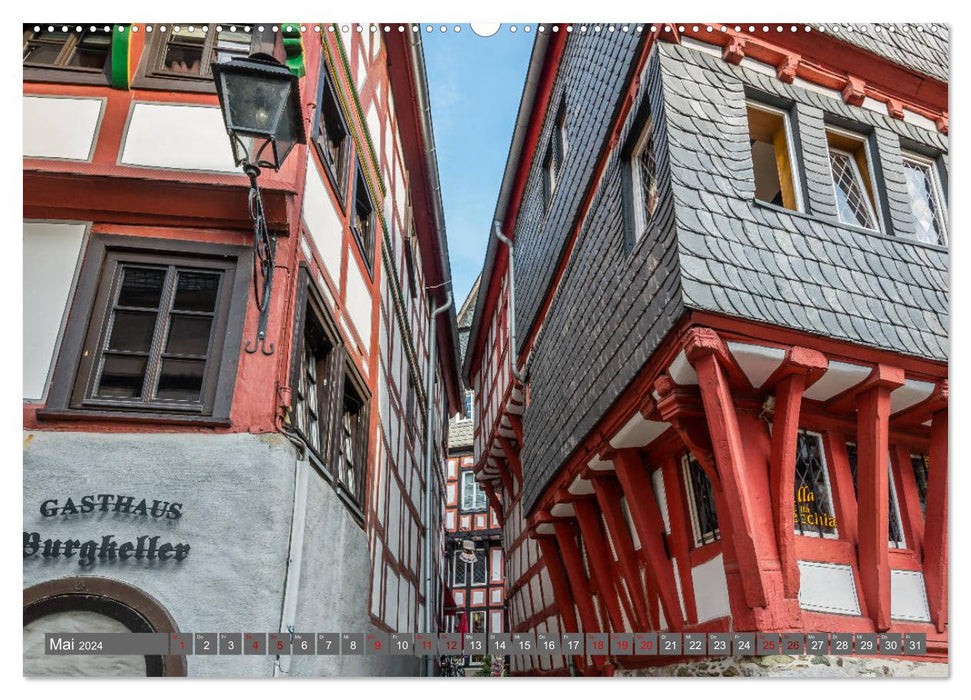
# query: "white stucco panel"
711, 589
827, 587
908, 596
184, 137
357, 299
323, 222
51, 252
59, 127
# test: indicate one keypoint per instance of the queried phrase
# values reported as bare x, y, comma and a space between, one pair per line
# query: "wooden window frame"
337, 173
64, 74
791, 154
937, 190
866, 182
476, 489
341, 375
700, 538
309, 301
150, 75
365, 245
827, 482
87, 321
893, 506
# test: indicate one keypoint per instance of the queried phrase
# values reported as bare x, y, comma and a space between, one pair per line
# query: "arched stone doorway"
93, 604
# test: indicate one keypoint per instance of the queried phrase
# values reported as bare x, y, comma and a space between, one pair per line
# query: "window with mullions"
331, 134
926, 198
352, 442
480, 568
701, 502
473, 496
363, 219
919, 464
849, 161
181, 57
813, 504
67, 56
313, 389
330, 401
895, 532
154, 341
459, 569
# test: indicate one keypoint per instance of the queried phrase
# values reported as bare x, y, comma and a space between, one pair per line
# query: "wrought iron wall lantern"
467, 554
260, 103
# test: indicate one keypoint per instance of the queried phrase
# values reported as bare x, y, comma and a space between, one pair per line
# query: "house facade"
709, 350
475, 589
181, 475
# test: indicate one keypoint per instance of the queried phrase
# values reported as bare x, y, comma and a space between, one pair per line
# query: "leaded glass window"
852, 201
644, 180
926, 199
701, 502
814, 515
919, 464
895, 532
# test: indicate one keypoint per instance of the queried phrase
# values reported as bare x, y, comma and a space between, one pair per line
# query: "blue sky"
474, 84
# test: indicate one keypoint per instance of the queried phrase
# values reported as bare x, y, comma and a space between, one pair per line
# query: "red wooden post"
512, 457
490, 492
608, 494
561, 587
703, 347
800, 362
873, 454
935, 527
650, 529
600, 560
565, 537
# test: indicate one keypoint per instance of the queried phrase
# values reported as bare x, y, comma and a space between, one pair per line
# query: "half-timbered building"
475, 587
282, 478
709, 350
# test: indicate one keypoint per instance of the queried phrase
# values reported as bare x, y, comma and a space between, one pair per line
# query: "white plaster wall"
711, 589
323, 222
357, 299
183, 137
827, 587
51, 254
908, 596
60, 127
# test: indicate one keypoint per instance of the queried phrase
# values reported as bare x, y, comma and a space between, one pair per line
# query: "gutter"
511, 266
537, 60
428, 582
419, 77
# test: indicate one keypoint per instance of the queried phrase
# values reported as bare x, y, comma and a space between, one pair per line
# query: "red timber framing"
697, 395
701, 395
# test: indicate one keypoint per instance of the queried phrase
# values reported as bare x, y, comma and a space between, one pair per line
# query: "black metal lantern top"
260, 100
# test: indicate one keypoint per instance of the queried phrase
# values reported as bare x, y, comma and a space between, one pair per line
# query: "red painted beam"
608, 493
650, 530
600, 560
512, 457
566, 539
729, 452
490, 492
785, 429
561, 587
935, 528
873, 443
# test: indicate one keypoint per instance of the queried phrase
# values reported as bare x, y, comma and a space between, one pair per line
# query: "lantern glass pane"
253, 103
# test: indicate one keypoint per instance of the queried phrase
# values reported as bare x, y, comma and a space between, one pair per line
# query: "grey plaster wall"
237, 493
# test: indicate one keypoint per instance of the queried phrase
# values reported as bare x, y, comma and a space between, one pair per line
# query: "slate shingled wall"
711, 246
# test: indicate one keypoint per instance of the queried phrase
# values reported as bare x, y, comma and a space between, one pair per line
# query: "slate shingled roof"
806, 272
918, 47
